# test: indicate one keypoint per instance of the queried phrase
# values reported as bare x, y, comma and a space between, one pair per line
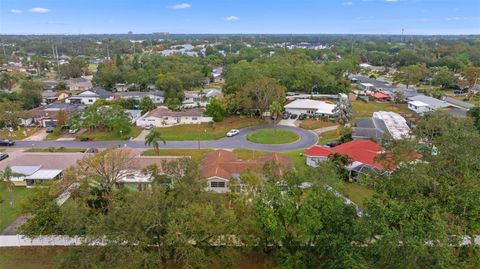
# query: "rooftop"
430, 101
320, 106
165, 112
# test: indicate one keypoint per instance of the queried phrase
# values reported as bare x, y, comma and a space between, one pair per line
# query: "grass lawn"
53, 149
19, 134
206, 131
109, 136
196, 154
30, 257
8, 213
54, 136
329, 136
362, 109
356, 192
312, 124
248, 154
272, 136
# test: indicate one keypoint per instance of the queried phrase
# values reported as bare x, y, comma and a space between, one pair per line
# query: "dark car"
333, 144
84, 139
293, 116
302, 116
3, 156
459, 91
50, 130
7, 143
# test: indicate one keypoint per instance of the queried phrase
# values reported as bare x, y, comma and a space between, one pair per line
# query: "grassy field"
109, 136
19, 134
52, 149
248, 154
272, 136
329, 136
206, 131
30, 258
8, 213
196, 154
356, 192
312, 124
362, 109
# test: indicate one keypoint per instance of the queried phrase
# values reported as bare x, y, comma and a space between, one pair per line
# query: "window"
194, 118
217, 184
90, 100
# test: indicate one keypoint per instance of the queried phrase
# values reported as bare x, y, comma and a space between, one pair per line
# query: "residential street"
307, 139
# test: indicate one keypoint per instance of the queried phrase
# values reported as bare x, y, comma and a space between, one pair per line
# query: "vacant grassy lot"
8, 213
30, 258
19, 134
206, 131
362, 109
329, 136
312, 124
248, 154
110, 136
52, 149
195, 154
272, 136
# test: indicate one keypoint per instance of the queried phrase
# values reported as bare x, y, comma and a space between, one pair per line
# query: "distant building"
421, 104
164, 117
199, 98
310, 107
46, 116
89, 97
157, 97
50, 96
380, 124
79, 84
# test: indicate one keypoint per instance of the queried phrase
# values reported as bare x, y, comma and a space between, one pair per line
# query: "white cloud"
39, 10
182, 6
16, 11
232, 18
347, 3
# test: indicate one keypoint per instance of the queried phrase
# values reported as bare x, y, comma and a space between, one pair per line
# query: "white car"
72, 131
233, 132
148, 127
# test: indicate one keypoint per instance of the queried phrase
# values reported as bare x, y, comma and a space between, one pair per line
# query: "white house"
164, 117
421, 104
157, 97
199, 99
90, 96
310, 107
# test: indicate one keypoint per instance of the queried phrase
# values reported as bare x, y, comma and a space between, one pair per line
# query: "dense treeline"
416, 218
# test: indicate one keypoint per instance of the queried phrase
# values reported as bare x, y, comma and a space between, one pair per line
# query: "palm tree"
275, 109
153, 138
6, 176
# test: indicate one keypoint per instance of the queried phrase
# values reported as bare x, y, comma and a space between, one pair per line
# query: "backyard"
206, 131
8, 213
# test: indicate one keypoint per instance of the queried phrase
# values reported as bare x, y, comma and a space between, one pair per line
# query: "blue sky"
240, 16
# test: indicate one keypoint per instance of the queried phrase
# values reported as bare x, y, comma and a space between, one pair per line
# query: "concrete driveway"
288, 122
142, 135
40, 135
306, 140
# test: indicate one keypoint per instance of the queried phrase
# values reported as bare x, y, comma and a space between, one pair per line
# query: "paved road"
307, 139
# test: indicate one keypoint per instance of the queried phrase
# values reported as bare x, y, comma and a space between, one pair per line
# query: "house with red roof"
220, 166
381, 97
361, 152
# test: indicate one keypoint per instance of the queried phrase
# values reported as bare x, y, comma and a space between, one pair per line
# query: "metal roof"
45, 174
25, 169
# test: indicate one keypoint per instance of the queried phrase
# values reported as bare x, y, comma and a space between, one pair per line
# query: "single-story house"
35, 168
366, 87
90, 96
164, 117
49, 84
199, 98
46, 116
310, 107
80, 84
379, 124
157, 97
361, 152
381, 97
221, 166
50, 96
421, 104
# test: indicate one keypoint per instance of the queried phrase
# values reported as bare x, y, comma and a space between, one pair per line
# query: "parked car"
91, 150
148, 127
285, 116
72, 131
293, 116
50, 130
233, 132
6, 142
459, 91
333, 144
302, 116
84, 139
3, 156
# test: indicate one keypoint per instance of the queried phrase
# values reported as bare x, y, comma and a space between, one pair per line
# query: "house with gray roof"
90, 96
380, 124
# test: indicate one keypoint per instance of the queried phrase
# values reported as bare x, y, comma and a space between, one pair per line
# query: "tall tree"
257, 95
411, 75
275, 111
153, 138
343, 111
